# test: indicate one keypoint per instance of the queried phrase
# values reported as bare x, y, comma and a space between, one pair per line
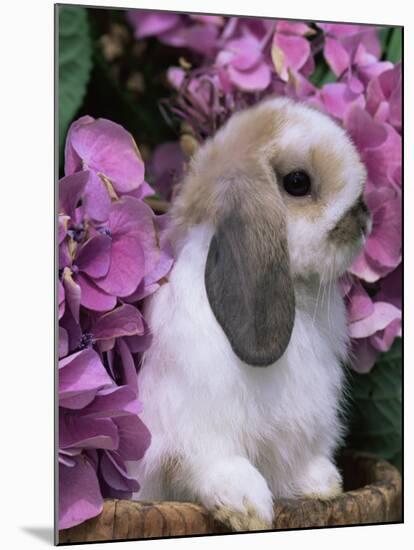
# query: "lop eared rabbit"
241, 386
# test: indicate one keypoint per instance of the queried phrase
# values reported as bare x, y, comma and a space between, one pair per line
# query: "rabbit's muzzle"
354, 224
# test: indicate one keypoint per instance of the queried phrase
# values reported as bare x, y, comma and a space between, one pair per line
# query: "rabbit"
243, 383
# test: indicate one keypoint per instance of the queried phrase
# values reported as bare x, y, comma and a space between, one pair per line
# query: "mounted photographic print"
229, 278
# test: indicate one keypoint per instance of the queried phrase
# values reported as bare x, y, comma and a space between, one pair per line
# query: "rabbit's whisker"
317, 302
331, 284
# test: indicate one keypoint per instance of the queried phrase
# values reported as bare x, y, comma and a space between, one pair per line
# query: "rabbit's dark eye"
297, 183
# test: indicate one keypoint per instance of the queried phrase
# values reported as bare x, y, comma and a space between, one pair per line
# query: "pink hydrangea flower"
243, 64
166, 167
373, 324
107, 149
196, 32
112, 250
96, 416
382, 251
291, 50
384, 97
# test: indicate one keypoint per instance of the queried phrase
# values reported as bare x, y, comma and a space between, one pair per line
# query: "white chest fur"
201, 403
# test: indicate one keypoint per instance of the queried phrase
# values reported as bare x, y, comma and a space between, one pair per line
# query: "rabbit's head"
283, 185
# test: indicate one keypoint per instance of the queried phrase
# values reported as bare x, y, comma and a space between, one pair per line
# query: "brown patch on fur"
352, 224
171, 468
324, 166
328, 164
241, 521
234, 159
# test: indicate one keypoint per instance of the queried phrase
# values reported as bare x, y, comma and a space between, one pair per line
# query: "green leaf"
394, 49
322, 74
384, 35
327, 78
75, 62
376, 408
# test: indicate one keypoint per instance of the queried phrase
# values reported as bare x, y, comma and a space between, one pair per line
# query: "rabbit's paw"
237, 495
321, 480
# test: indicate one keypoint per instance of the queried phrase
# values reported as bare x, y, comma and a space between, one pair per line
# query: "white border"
26, 230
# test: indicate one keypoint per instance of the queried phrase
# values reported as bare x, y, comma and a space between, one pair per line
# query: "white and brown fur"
242, 383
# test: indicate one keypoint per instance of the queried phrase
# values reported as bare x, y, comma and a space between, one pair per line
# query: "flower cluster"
112, 253
236, 61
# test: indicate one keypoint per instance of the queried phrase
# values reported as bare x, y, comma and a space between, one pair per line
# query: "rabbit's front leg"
320, 479
234, 491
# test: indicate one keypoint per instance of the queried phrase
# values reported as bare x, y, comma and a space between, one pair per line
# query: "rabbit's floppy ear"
248, 280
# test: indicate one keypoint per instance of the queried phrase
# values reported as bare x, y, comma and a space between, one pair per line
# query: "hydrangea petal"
139, 343
92, 297
71, 189
73, 162
159, 274
366, 37
151, 282
391, 288
336, 55
384, 244
134, 437
87, 433
152, 23
66, 457
61, 299
368, 72
166, 167
72, 328
200, 38
365, 131
79, 493
217, 20
134, 250
96, 199
127, 266
380, 318
125, 320
113, 402
339, 30
289, 52
289, 27
383, 339
144, 190
129, 371
395, 105
361, 305
63, 342
72, 293
361, 268
65, 258
115, 474
62, 227
93, 257
337, 97
245, 53
106, 345
176, 77
81, 372
364, 355
383, 160
252, 80
107, 148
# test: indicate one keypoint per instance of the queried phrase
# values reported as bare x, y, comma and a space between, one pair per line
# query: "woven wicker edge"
377, 500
